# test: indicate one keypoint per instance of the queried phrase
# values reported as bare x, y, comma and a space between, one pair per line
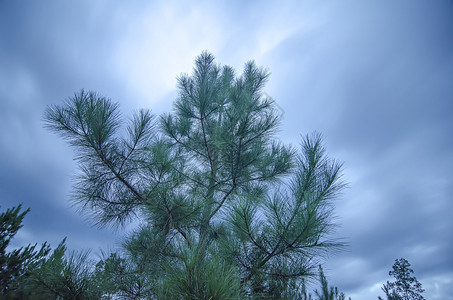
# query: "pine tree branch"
118, 175
225, 197
208, 152
186, 146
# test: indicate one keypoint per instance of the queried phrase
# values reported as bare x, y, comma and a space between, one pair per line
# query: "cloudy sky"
375, 77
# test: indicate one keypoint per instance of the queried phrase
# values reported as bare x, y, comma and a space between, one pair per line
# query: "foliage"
299, 292
29, 273
406, 286
61, 276
229, 212
133, 276
327, 293
16, 266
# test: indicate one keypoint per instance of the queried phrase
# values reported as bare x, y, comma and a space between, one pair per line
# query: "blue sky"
375, 77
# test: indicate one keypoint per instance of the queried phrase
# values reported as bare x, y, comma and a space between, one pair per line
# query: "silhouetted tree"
406, 286
228, 211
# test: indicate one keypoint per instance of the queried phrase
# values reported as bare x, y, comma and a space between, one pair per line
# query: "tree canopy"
227, 210
16, 265
406, 286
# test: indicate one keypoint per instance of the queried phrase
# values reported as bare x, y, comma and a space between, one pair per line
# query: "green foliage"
228, 210
137, 274
29, 273
406, 286
16, 266
202, 277
298, 290
62, 276
327, 293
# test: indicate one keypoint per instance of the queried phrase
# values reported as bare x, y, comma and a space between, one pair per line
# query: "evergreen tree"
17, 265
406, 286
228, 211
328, 293
62, 276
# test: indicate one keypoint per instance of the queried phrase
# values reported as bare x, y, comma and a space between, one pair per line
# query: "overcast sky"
375, 77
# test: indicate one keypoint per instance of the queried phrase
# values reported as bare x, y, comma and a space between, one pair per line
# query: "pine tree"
17, 265
406, 286
63, 276
326, 292
227, 210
